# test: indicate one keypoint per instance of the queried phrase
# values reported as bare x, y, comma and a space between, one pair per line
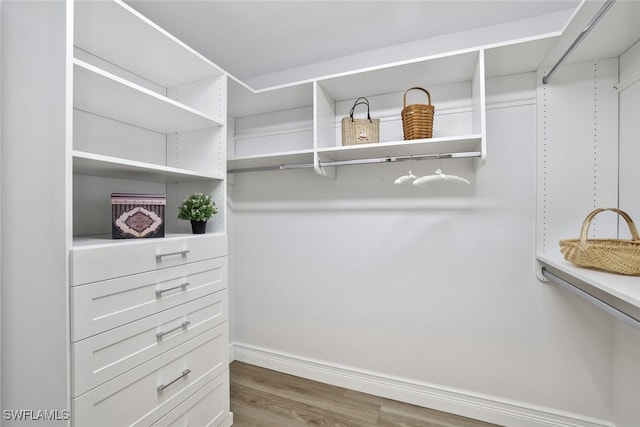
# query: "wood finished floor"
265, 398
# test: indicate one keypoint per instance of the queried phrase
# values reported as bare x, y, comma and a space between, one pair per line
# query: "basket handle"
404, 102
587, 222
358, 102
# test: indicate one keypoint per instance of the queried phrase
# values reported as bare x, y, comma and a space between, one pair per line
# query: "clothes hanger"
408, 177
439, 176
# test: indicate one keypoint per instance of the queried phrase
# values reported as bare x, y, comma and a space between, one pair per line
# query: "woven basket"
613, 255
360, 131
417, 119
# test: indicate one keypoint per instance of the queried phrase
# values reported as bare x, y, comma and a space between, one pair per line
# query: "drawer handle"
183, 325
160, 256
181, 286
161, 387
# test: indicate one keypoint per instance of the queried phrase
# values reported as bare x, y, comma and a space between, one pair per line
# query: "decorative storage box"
137, 215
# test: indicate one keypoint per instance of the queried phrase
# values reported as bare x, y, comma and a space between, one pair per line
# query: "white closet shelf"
99, 92
119, 34
244, 102
432, 71
271, 161
102, 240
418, 147
456, 144
620, 292
113, 167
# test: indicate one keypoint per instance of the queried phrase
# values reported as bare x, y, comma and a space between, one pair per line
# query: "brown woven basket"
417, 119
614, 255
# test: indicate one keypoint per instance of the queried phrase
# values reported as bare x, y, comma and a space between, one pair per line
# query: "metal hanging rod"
626, 318
578, 39
469, 154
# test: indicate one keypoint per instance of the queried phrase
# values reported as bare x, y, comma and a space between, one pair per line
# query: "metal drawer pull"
184, 324
184, 374
159, 256
181, 286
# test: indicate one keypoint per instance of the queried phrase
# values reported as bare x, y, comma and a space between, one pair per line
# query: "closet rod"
629, 320
578, 39
468, 154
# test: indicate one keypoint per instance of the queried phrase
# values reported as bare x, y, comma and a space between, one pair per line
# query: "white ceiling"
253, 38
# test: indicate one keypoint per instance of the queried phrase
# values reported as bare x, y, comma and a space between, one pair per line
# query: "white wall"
433, 285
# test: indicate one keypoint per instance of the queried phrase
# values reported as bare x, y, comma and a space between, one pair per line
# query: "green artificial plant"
197, 207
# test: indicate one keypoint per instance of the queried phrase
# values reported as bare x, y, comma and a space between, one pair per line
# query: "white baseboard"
460, 402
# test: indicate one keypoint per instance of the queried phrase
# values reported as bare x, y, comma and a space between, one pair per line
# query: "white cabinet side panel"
324, 118
35, 140
577, 156
626, 375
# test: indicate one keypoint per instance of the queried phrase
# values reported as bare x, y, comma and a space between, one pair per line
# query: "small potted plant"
197, 208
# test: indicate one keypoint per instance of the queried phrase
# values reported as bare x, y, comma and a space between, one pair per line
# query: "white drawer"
143, 395
100, 306
102, 357
208, 407
99, 262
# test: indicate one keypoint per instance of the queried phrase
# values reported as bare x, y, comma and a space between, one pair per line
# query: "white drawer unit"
205, 408
143, 395
107, 304
101, 357
93, 263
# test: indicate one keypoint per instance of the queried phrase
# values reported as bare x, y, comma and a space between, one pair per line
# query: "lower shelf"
619, 295
446, 147
104, 239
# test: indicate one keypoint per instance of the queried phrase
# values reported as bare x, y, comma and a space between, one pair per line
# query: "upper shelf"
523, 56
244, 102
117, 33
614, 33
397, 77
99, 92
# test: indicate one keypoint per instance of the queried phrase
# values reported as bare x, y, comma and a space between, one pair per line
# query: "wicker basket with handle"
613, 255
417, 119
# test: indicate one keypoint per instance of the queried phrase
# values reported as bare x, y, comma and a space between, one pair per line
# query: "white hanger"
439, 176
408, 177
